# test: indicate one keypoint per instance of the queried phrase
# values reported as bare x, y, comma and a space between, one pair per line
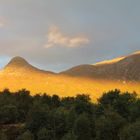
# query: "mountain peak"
19, 65
17, 61
17, 58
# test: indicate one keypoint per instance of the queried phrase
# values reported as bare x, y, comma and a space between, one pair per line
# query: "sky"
59, 34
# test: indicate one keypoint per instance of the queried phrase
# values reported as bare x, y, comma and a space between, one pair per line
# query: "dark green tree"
135, 110
117, 101
69, 136
82, 129
46, 99
131, 132
23, 103
57, 123
37, 117
3, 136
82, 104
44, 134
8, 114
26, 136
108, 126
55, 101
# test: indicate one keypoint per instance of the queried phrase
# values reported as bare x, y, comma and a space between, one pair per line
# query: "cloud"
56, 37
2, 22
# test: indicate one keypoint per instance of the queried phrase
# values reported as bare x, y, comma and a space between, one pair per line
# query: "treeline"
115, 116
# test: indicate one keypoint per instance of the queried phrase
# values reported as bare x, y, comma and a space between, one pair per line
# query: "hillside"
94, 79
19, 65
125, 68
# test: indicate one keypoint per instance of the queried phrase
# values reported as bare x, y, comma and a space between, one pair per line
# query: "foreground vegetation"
116, 116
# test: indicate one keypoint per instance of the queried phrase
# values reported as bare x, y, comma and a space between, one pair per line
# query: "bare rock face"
124, 68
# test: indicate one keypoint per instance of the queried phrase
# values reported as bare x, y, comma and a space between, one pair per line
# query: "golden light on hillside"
64, 85
120, 73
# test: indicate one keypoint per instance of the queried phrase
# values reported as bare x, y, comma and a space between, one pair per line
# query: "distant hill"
19, 65
125, 68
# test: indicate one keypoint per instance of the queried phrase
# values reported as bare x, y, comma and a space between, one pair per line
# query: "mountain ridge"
125, 68
88, 79
122, 68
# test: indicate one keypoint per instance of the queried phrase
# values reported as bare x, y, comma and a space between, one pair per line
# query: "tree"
82, 128
83, 104
3, 136
67, 102
6, 91
109, 98
37, 117
23, 103
46, 99
124, 103
5, 97
8, 114
131, 132
108, 126
26, 136
43, 134
55, 101
69, 136
57, 122
135, 110
119, 102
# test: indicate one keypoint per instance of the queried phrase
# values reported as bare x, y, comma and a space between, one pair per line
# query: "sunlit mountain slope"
19, 66
94, 79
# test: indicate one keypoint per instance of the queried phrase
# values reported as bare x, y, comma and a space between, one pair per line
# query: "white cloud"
56, 37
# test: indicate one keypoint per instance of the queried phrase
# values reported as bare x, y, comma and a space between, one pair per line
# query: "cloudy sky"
58, 34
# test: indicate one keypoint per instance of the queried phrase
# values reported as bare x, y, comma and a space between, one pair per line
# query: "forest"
115, 116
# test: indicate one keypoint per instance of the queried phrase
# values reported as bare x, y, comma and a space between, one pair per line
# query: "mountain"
126, 68
19, 66
122, 73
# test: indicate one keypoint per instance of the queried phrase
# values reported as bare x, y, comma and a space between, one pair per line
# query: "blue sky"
58, 34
